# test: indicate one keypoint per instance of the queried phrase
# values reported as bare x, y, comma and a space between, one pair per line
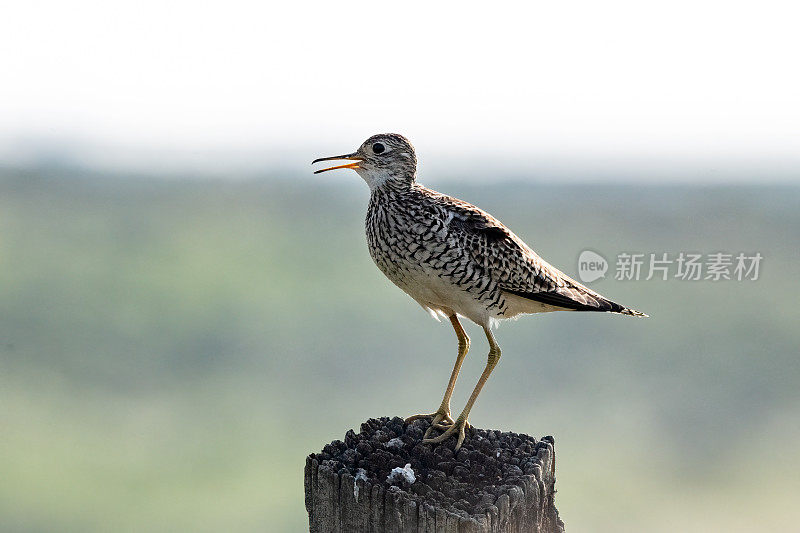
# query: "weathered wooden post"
384, 479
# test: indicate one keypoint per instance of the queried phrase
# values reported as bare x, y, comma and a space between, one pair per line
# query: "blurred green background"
171, 350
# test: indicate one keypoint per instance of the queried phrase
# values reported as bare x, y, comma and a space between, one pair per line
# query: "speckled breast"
411, 243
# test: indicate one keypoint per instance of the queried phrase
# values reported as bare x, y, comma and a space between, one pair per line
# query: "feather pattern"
416, 234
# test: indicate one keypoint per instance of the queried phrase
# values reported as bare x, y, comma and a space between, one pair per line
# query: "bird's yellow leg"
441, 419
460, 425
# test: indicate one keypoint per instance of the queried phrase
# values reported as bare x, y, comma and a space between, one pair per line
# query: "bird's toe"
459, 427
439, 418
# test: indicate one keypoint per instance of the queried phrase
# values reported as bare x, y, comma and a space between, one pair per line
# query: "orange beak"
352, 156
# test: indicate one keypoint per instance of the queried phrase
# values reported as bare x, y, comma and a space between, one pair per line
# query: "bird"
456, 260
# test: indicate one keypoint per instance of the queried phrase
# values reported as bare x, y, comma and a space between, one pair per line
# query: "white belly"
438, 295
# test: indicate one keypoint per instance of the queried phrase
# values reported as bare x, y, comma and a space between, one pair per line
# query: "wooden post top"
385, 479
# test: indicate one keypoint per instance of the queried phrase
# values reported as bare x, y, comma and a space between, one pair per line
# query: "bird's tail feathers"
632, 312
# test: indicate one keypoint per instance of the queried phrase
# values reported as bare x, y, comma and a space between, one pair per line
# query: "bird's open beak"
352, 157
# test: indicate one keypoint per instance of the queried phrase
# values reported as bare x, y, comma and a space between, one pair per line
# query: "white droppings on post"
362, 475
398, 473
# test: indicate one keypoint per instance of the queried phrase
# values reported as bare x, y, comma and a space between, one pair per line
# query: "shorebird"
455, 260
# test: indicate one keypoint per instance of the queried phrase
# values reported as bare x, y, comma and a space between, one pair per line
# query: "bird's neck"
390, 181
391, 191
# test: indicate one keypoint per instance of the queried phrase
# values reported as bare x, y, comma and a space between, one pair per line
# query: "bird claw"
459, 426
437, 417
441, 426
439, 420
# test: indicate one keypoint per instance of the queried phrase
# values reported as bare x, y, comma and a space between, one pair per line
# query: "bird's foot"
459, 426
441, 420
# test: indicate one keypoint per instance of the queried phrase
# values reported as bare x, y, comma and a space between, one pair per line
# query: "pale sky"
698, 82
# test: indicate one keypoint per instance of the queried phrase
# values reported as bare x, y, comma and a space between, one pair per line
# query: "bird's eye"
378, 148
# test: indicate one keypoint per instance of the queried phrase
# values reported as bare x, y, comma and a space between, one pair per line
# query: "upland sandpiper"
455, 260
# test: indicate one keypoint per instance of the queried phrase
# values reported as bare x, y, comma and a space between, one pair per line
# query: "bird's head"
383, 159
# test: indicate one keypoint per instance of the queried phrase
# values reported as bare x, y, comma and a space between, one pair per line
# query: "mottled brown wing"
513, 265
